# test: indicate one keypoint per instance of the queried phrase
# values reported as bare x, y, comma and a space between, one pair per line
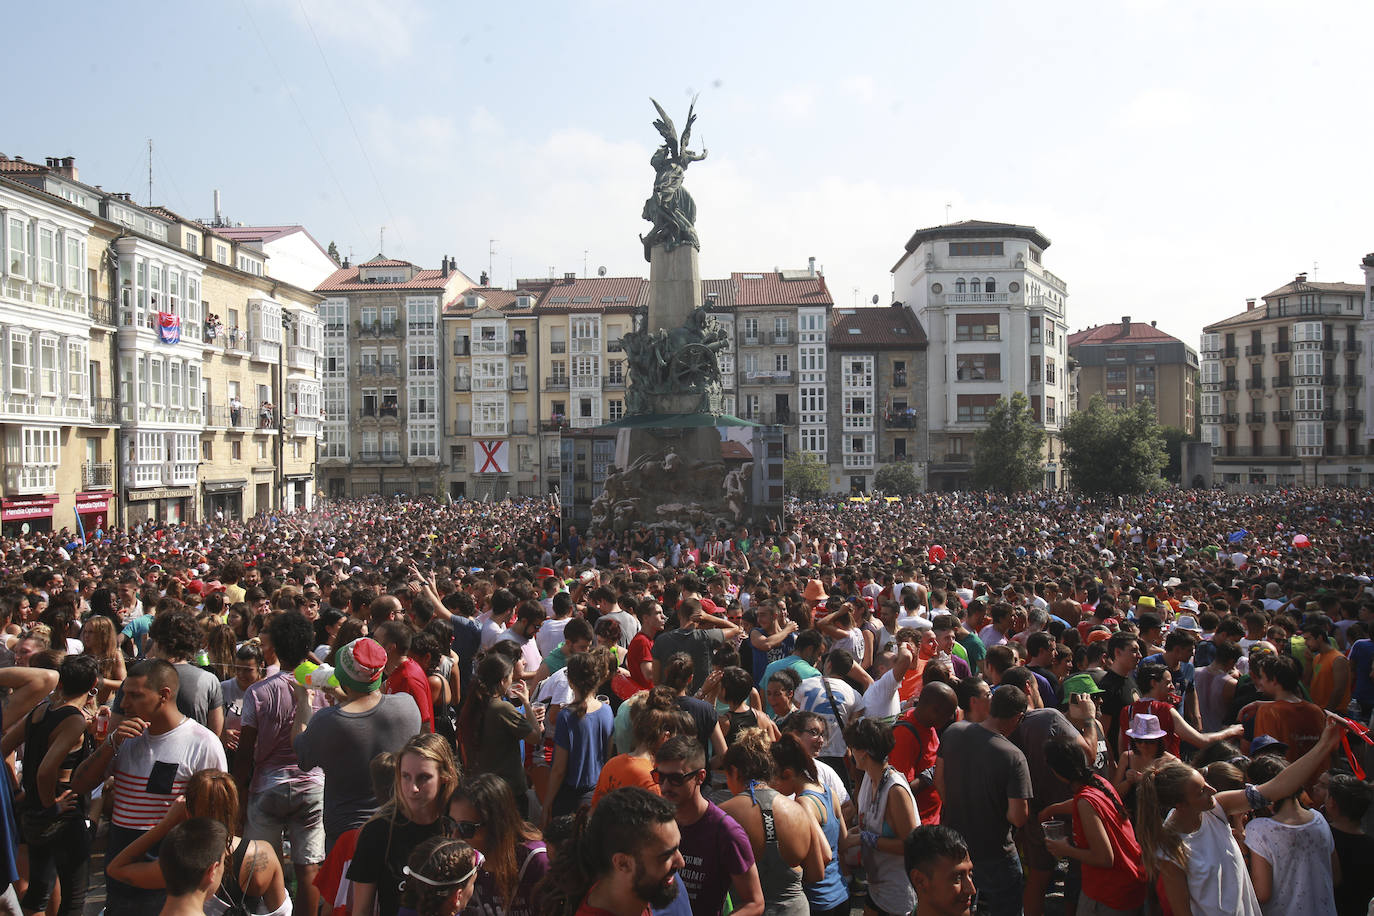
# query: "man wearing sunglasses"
715, 849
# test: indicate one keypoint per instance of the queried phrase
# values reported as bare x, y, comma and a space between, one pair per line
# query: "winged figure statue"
670, 208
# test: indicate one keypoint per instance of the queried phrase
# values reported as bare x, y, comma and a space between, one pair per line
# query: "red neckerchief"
1352, 726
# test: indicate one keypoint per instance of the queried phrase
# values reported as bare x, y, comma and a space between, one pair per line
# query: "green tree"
333, 252
898, 478
1174, 437
805, 475
1007, 455
1114, 451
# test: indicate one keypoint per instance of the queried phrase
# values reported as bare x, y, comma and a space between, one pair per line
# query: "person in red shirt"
916, 744
640, 661
626, 859
403, 674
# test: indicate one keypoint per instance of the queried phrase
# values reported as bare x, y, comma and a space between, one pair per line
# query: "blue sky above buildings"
1181, 156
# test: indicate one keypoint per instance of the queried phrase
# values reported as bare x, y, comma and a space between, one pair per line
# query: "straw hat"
815, 591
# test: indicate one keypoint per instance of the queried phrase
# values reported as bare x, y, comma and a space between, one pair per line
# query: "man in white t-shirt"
834, 698
494, 624
551, 633
152, 755
880, 701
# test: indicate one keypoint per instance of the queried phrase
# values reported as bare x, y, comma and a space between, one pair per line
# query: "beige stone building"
57, 427
383, 382
492, 434
1129, 362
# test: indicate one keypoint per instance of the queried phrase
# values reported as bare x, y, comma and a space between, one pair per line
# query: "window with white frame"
21, 362
40, 459
615, 409
1211, 371
420, 316
1307, 331
48, 370
424, 400
371, 444
185, 447
585, 371
47, 256
1309, 435
781, 327
1307, 399
782, 362
77, 364
812, 359
389, 315
423, 441
18, 243
76, 264
391, 444
155, 382
192, 387
813, 440
421, 356
1307, 362
175, 382
751, 329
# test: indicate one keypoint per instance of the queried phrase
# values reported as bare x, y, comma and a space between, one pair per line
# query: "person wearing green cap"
1078, 691
342, 740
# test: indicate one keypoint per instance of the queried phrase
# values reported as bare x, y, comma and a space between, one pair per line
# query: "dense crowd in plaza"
938, 704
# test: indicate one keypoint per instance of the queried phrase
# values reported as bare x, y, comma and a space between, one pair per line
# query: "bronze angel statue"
671, 209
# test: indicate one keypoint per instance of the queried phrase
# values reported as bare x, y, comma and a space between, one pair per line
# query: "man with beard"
716, 852
624, 862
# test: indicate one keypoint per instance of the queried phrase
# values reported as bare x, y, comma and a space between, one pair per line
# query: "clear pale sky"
1180, 156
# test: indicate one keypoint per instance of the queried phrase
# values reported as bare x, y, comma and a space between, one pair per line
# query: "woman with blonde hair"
254, 883
426, 775
440, 877
1192, 851
101, 640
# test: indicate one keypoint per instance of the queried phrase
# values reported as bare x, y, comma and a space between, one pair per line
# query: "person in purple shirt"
715, 849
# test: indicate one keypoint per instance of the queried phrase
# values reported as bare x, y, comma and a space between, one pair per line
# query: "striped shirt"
150, 771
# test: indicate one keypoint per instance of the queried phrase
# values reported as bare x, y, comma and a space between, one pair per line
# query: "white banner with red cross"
491, 456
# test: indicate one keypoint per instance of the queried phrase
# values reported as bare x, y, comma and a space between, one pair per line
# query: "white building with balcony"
1285, 388
997, 324
161, 353
45, 381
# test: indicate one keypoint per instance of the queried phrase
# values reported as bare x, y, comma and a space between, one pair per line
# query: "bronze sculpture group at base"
672, 476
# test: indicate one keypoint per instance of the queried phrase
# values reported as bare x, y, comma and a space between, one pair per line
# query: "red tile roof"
892, 327
345, 279
19, 166
1116, 333
754, 289
724, 291
730, 450
495, 298
590, 294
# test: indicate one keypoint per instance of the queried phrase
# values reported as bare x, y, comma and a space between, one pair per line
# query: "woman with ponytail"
440, 877
582, 737
1103, 840
1192, 851
491, 727
795, 774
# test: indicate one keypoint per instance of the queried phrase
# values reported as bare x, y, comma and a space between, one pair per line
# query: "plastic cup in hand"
1055, 830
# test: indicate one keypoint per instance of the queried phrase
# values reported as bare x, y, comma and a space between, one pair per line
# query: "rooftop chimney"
1301, 278
217, 216
68, 168
1126, 324
443, 266
1154, 324
1249, 304
570, 276
811, 266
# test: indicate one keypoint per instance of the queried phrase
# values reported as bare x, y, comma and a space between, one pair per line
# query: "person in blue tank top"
796, 775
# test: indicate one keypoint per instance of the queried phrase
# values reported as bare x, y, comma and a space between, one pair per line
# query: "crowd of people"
938, 704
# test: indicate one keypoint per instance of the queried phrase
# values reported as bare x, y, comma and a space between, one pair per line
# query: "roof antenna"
150, 171
948, 208
491, 254
381, 241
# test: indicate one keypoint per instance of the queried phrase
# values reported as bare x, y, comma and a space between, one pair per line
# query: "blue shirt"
762, 659
585, 738
1361, 657
802, 668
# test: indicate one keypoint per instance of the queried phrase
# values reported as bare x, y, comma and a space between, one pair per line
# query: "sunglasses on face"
676, 780
466, 830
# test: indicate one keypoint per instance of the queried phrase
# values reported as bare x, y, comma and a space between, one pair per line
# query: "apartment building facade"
996, 323
1285, 388
877, 370
383, 379
492, 437
57, 426
1129, 362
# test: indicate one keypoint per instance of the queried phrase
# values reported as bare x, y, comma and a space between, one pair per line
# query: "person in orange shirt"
1330, 684
653, 721
1288, 717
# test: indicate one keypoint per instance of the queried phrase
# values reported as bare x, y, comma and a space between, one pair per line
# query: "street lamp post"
280, 411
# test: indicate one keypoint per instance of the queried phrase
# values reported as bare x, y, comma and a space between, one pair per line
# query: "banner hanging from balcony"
491, 456
169, 327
